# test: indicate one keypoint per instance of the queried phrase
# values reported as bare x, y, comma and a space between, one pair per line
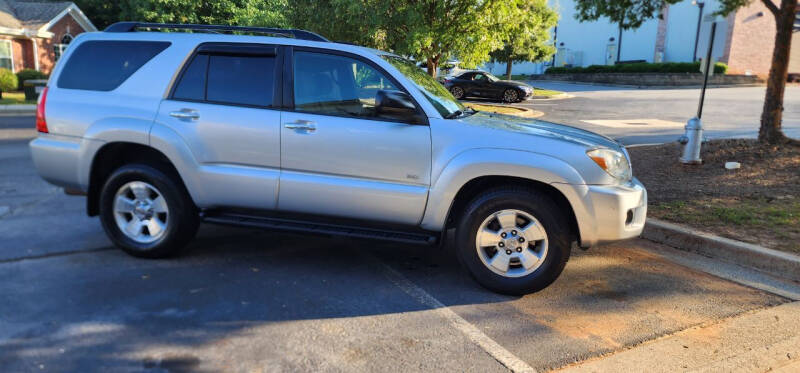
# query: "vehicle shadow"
88, 311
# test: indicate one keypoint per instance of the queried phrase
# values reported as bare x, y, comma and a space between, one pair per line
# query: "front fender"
475, 163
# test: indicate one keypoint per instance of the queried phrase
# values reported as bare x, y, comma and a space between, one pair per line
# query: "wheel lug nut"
508, 252
501, 244
513, 233
521, 239
503, 234
519, 249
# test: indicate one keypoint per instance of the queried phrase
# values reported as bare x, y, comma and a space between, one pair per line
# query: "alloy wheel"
511, 243
141, 212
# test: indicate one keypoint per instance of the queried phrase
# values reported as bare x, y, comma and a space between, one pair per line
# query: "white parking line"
494, 349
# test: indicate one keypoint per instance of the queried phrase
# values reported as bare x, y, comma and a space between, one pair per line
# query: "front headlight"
612, 161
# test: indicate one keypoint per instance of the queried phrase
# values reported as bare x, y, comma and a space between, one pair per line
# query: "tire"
457, 92
172, 221
551, 252
511, 96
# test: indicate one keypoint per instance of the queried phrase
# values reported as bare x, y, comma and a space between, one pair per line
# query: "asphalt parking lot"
247, 300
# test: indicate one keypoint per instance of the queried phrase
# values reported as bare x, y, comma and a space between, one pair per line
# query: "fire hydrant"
692, 140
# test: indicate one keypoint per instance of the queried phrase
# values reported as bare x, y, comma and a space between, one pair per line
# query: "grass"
493, 108
15, 98
776, 220
540, 92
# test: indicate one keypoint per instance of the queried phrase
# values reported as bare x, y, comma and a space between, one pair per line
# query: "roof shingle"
29, 14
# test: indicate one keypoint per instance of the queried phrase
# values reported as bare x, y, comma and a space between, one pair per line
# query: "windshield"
435, 92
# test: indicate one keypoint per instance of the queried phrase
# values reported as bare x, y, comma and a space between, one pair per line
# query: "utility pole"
700, 5
693, 137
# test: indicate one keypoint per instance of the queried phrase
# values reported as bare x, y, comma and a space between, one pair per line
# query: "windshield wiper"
454, 114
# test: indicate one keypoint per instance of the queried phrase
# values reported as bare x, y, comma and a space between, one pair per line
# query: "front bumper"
620, 211
607, 213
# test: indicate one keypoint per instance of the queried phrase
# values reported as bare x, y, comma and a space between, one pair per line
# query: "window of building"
59, 48
6, 60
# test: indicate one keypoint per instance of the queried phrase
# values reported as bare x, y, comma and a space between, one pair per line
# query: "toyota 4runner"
282, 129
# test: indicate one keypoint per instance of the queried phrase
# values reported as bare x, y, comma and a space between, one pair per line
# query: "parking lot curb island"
774, 262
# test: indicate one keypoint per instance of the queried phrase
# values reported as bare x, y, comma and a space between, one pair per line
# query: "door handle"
300, 124
185, 114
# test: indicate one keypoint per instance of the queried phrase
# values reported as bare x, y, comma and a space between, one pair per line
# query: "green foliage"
270, 13
669, 67
529, 36
630, 14
8, 81
429, 31
28, 74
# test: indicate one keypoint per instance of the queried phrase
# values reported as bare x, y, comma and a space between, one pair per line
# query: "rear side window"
102, 65
228, 79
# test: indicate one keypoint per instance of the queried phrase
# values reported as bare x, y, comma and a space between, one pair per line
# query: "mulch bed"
757, 203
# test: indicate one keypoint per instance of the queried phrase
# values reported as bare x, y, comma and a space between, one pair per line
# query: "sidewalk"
758, 341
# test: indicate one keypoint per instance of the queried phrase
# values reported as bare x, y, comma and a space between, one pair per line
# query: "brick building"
34, 34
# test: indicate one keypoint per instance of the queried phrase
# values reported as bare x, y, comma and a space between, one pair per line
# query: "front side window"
5, 55
337, 85
435, 92
228, 79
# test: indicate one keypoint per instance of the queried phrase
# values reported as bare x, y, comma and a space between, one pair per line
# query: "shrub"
639, 67
8, 81
28, 74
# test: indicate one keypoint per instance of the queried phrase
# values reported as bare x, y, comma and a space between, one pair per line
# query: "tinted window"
337, 85
246, 80
193, 81
104, 65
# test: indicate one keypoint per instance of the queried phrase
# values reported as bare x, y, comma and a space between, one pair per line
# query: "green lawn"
14, 98
494, 108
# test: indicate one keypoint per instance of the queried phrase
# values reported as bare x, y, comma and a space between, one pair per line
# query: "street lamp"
700, 6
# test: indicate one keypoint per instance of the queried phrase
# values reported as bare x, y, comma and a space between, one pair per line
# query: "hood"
539, 128
512, 83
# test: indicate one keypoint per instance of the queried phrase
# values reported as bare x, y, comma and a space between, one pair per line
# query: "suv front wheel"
513, 240
146, 212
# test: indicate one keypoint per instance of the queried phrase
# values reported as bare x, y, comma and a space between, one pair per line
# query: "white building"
670, 39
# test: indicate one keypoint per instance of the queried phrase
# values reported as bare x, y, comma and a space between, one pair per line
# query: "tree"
427, 30
631, 14
528, 39
225, 12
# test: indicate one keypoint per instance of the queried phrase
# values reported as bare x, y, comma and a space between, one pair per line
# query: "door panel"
338, 156
222, 107
355, 168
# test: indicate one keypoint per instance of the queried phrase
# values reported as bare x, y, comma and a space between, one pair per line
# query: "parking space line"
486, 343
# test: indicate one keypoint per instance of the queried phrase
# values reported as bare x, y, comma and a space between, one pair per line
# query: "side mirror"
395, 105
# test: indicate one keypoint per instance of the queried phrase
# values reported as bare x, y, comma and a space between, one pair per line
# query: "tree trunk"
433, 65
770, 131
508, 69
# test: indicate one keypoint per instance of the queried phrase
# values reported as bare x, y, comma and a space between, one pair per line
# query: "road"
727, 112
247, 300
646, 116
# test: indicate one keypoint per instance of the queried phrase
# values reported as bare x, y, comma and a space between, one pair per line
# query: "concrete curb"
774, 262
523, 111
17, 109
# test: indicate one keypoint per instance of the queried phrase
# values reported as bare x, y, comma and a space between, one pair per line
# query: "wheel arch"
478, 185
113, 155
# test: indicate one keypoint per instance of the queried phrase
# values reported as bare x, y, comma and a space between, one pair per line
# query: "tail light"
41, 122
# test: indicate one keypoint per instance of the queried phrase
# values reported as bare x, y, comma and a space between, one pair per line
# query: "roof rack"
290, 33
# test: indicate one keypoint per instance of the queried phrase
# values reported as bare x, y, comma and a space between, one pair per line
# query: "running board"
289, 225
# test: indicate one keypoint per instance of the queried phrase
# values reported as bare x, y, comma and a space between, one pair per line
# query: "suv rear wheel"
146, 212
513, 240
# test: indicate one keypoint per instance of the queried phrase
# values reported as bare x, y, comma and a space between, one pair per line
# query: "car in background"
485, 85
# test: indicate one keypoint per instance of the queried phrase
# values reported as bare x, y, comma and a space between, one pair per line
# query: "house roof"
31, 15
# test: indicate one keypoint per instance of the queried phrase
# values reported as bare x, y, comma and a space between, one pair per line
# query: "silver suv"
282, 129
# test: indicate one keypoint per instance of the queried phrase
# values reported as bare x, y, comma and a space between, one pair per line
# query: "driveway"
637, 116
247, 300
